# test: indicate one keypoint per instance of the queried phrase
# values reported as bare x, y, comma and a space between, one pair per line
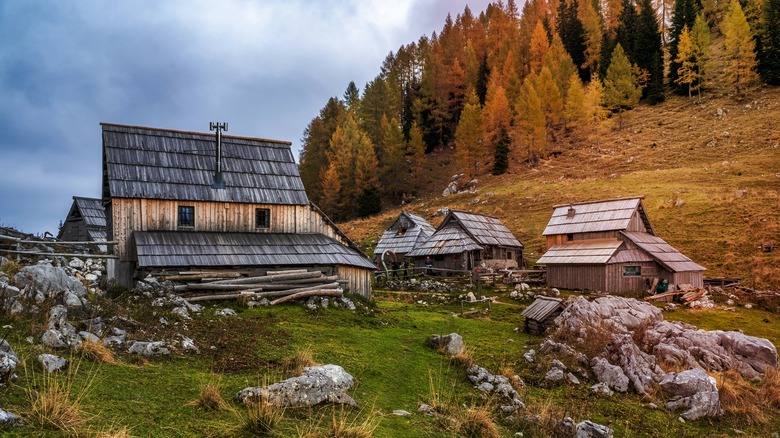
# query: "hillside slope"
710, 174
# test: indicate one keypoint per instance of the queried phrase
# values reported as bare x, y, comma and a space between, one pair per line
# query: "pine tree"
684, 14
560, 65
605, 56
351, 95
501, 143
647, 51
468, 136
393, 166
627, 29
572, 34
591, 23
769, 36
687, 73
739, 47
621, 90
316, 144
574, 110
530, 122
415, 150
540, 45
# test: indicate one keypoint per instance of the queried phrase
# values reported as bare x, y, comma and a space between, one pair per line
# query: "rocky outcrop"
318, 384
497, 385
8, 362
60, 333
694, 391
43, 281
610, 375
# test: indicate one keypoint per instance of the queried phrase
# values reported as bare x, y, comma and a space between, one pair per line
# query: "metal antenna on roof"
219, 182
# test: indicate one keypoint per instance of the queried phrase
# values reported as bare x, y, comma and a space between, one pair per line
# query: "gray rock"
694, 391
48, 281
589, 429
402, 413
555, 363
87, 336
602, 388
486, 387
148, 349
641, 368
572, 379
611, 375
225, 312
451, 344
9, 419
76, 263
188, 344
95, 325
182, 312
554, 375
318, 384
567, 427
52, 363
529, 356
60, 333
8, 362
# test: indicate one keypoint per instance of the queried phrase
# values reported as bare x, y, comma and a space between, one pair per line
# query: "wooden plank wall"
161, 215
577, 277
694, 278
359, 279
617, 283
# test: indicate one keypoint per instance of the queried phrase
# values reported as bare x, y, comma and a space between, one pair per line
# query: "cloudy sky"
265, 66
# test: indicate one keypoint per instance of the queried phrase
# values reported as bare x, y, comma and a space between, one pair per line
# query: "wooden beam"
324, 293
61, 254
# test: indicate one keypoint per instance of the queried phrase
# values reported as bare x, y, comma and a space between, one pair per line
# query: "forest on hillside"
506, 84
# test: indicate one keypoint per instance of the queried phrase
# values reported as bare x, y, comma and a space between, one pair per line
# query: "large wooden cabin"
176, 200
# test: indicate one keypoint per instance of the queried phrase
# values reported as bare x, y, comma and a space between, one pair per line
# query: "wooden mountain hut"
186, 200
465, 241
86, 222
610, 246
541, 314
406, 233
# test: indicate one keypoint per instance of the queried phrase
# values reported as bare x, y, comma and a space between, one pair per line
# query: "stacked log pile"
280, 286
686, 296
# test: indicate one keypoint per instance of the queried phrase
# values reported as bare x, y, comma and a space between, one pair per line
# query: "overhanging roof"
451, 239
663, 253
609, 215
402, 243
485, 230
581, 252
173, 248
152, 163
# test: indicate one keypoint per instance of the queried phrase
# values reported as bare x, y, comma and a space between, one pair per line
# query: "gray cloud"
267, 67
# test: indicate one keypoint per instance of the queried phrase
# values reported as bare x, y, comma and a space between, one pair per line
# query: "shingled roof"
172, 248
152, 163
402, 242
588, 217
92, 211
463, 231
663, 253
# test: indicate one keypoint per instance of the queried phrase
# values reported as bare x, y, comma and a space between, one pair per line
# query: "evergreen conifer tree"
647, 51
621, 90
501, 152
572, 34
769, 37
626, 33
684, 14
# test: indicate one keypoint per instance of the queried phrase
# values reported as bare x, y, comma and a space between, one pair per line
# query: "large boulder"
43, 281
610, 375
8, 362
451, 344
694, 391
589, 429
640, 368
618, 314
317, 384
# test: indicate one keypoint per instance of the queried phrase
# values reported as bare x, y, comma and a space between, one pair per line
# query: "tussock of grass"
54, 402
97, 352
750, 403
440, 397
477, 422
349, 426
543, 417
295, 364
122, 432
210, 398
262, 417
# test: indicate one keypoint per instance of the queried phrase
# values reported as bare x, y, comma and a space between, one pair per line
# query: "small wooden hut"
465, 241
610, 246
86, 222
405, 234
541, 314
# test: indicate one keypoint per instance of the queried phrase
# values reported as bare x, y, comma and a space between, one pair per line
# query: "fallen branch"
324, 293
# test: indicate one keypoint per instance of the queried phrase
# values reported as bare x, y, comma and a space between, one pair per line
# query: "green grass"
384, 350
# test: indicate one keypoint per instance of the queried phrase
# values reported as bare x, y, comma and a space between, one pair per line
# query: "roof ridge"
207, 134
602, 201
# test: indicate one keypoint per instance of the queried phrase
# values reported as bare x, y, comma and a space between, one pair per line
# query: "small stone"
225, 312
529, 356
572, 379
52, 363
554, 375
402, 413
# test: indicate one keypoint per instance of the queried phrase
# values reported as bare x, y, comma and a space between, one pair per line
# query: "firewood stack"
279, 286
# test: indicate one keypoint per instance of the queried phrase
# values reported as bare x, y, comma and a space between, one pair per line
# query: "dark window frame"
263, 218
186, 216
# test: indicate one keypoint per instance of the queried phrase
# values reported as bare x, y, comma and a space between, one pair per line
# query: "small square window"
570, 237
187, 216
262, 218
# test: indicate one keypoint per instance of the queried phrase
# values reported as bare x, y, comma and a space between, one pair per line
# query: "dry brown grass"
463, 359
514, 379
542, 417
55, 402
261, 417
476, 422
294, 365
97, 352
747, 402
122, 432
210, 397
440, 397
351, 426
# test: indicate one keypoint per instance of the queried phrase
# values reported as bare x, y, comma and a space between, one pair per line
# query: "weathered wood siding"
75, 231
560, 239
591, 277
617, 283
695, 279
159, 215
359, 279
636, 223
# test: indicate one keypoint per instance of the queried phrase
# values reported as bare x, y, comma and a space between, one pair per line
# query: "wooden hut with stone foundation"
465, 241
610, 246
86, 222
178, 200
406, 233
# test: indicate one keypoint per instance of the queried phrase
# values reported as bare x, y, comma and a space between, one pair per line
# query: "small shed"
405, 234
86, 222
541, 314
